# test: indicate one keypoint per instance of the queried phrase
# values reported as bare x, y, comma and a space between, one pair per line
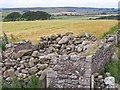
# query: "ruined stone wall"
60, 59
103, 53
73, 71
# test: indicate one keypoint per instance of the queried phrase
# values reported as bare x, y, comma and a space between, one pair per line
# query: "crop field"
32, 30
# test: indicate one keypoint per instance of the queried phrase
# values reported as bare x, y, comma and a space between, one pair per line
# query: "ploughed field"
32, 30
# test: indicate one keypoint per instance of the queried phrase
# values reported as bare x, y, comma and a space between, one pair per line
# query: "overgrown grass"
113, 66
3, 42
32, 84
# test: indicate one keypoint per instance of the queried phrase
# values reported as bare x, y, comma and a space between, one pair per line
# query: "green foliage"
15, 16
33, 84
3, 41
117, 17
38, 15
29, 16
15, 84
2, 45
113, 66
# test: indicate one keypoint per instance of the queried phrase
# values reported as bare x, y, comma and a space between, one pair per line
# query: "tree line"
117, 17
27, 16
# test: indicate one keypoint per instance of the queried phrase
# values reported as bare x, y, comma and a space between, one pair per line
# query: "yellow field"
32, 30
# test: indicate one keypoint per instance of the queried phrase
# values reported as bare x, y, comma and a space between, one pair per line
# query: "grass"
74, 17
32, 30
16, 84
113, 66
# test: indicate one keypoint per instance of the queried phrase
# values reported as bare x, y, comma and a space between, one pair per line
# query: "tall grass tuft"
33, 84
3, 41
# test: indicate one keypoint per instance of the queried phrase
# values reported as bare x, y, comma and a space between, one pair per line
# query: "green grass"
33, 84
113, 66
73, 17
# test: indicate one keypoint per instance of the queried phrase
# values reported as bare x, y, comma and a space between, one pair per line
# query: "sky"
59, 3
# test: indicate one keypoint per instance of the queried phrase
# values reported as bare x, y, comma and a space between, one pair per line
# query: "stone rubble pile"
22, 59
104, 82
65, 44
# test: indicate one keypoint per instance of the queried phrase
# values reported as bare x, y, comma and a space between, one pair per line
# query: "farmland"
32, 30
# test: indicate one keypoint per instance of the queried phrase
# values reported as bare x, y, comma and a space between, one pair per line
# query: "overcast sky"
59, 3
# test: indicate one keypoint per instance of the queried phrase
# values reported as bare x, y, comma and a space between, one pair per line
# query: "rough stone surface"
60, 59
104, 81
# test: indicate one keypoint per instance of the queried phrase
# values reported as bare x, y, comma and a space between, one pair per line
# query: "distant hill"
81, 10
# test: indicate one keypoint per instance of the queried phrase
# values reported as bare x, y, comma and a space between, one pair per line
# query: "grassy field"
74, 17
32, 30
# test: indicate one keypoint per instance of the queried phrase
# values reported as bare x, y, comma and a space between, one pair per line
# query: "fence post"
92, 82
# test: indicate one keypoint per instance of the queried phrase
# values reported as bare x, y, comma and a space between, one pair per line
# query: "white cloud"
54, 3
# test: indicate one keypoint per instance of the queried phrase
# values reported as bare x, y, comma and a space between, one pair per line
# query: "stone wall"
76, 72
103, 53
60, 59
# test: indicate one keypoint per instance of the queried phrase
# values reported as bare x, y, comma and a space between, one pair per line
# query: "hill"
80, 10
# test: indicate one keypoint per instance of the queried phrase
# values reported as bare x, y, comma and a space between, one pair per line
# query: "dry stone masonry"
104, 81
60, 59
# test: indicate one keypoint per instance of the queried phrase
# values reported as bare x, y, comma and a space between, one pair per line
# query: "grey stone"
31, 63
24, 71
111, 39
64, 57
33, 70
100, 77
11, 73
44, 59
79, 49
42, 77
61, 81
26, 57
89, 58
57, 67
75, 57
9, 79
64, 40
1, 64
77, 42
20, 75
69, 81
8, 45
42, 66
35, 54
8, 64
110, 81
23, 52
50, 73
85, 43
73, 77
